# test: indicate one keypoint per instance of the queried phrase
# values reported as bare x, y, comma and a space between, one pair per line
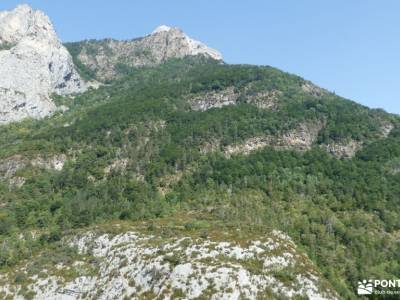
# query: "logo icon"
365, 287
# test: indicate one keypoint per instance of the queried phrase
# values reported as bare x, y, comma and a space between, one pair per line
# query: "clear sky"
351, 47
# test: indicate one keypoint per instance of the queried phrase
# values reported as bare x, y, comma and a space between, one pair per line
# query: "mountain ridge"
105, 59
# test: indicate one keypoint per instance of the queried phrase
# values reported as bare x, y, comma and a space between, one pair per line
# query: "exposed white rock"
55, 162
132, 265
302, 137
248, 146
179, 44
33, 65
196, 48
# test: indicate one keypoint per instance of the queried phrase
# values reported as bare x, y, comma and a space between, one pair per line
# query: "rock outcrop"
313, 90
10, 167
137, 266
33, 65
386, 128
343, 149
300, 138
214, 99
104, 58
266, 99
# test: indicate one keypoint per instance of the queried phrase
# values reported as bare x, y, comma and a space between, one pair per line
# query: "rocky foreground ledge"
134, 265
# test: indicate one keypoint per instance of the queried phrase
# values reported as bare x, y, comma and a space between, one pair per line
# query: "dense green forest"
344, 212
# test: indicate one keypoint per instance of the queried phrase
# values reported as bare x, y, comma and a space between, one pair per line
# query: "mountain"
187, 178
34, 64
106, 59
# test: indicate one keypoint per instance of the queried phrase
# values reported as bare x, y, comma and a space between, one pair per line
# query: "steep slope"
108, 59
34, 64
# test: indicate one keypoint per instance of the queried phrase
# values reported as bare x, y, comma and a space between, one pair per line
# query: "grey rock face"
104, 57
313, 90
33, 65
168, 42
343, 149
214, 99
267, 99
10, 166
300, 139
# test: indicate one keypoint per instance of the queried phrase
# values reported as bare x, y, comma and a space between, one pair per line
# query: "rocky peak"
34, 64
180, 44
22, 22
103, 58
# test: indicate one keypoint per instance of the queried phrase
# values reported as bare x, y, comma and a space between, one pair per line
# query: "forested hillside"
248, 147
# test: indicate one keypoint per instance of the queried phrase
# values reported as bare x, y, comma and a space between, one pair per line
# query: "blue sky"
351, 47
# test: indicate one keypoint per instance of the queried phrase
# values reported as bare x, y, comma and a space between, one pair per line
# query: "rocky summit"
105, 59
34, 65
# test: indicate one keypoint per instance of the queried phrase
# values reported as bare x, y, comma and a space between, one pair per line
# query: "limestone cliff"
33, 65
